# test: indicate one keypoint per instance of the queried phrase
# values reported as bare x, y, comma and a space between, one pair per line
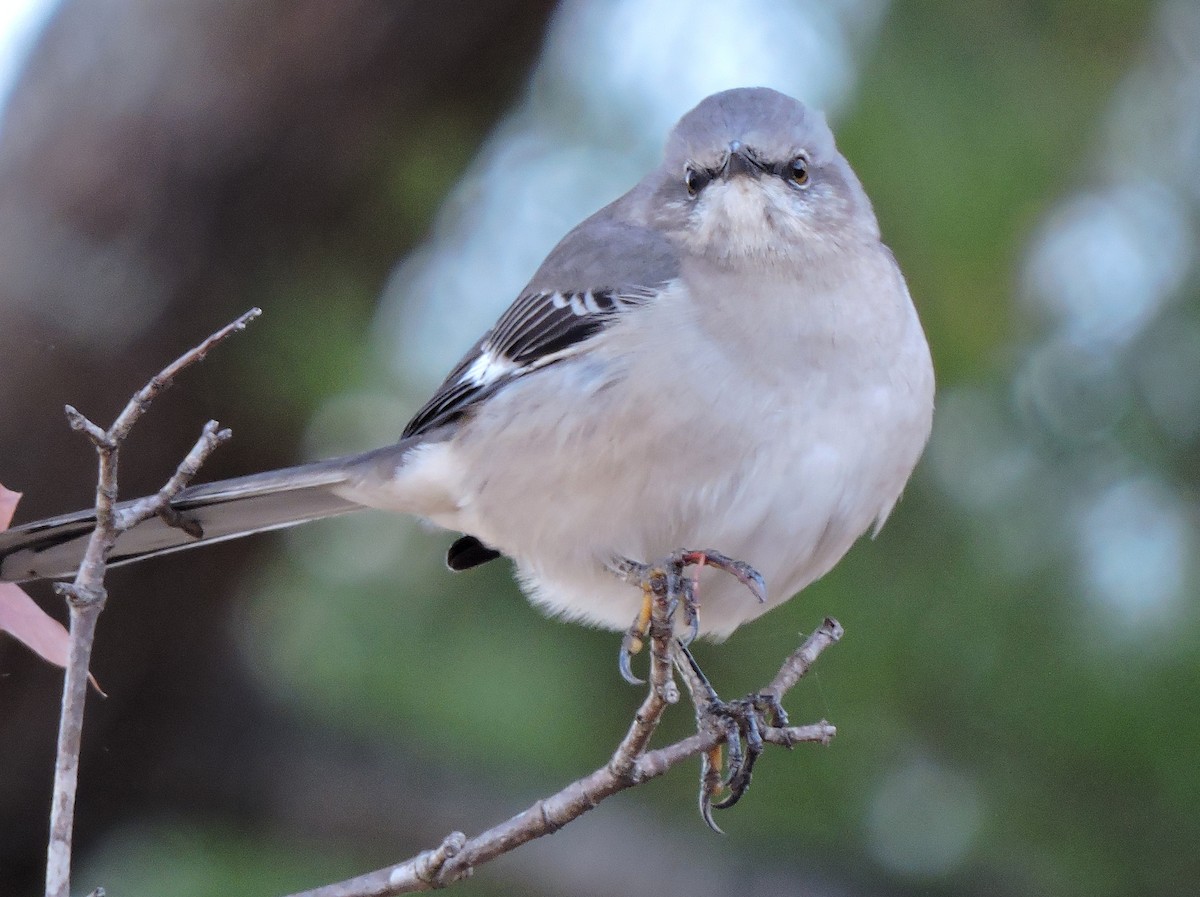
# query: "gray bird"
727, 356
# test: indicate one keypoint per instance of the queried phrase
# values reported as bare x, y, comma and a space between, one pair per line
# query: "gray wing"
601, 270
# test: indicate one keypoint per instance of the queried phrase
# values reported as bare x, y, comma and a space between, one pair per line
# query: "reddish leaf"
21, 618
31, 625
8, 504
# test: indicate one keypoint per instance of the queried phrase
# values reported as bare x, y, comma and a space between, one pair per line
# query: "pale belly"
778, 449
787, 490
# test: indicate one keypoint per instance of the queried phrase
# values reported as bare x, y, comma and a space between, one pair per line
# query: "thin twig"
160, 502
458, 856
147, 394
86, 595
801, 660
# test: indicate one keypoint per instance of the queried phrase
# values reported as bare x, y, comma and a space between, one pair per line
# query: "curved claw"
751, 579
624, 661
739, 783
729, 801
706, 808
710, 784
740, 719
739, 570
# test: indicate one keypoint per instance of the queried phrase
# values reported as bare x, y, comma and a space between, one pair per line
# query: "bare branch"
160, 502
86, 595
800, 660
81, 424
164, 378
631, 765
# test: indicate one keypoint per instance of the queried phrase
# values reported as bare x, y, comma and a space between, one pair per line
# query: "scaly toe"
710, 786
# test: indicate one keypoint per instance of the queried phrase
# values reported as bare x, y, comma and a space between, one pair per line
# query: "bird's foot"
740, 724
740, 721
666, 580
665, 589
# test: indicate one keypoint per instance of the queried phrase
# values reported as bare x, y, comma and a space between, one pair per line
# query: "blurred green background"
1016, 695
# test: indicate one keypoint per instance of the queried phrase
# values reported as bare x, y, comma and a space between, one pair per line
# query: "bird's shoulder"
607, 266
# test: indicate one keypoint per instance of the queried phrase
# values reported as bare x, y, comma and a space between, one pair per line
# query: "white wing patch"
539, 329
489, 367
586, 303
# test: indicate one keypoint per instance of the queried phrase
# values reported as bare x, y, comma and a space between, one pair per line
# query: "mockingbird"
727, 356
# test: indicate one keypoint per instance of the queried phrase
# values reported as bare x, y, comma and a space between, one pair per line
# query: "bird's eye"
797, 171
694, 181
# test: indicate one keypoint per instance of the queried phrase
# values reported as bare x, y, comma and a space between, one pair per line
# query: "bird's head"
753, 174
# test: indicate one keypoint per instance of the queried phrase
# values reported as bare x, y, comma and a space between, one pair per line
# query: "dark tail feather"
213, 512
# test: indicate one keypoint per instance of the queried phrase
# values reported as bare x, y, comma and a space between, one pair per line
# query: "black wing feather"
539, 331
600, 270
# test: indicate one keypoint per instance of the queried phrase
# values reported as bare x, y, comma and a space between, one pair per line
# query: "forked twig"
631, 765
86, 595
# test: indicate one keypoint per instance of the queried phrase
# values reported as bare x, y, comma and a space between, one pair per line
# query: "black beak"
739, 162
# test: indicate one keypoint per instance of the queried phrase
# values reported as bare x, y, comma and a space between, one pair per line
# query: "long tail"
54, 548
